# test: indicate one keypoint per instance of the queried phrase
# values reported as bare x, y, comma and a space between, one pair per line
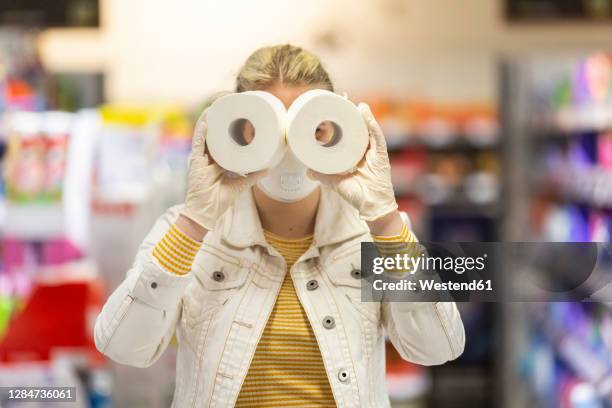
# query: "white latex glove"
211, 190
368, 188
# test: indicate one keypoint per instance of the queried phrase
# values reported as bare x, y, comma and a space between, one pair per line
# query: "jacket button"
356, 273
343, 376
329, 322
153, 285
218, 276
312, 284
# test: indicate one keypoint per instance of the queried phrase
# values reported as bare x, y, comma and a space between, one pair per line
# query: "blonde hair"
282, 64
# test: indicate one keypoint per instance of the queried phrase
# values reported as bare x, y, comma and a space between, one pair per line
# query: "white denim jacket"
220, 309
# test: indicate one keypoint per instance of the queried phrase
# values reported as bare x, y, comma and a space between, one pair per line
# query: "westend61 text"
433, 285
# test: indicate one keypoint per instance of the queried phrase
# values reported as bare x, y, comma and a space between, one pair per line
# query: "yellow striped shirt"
287, 369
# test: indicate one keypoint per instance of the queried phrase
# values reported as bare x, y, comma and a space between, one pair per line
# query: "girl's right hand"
211, 190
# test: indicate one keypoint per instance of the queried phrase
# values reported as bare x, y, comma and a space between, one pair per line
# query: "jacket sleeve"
139, 318
427, 333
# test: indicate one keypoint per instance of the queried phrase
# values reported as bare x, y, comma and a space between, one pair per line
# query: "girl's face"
324, 133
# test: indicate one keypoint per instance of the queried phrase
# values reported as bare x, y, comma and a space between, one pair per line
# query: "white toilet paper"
267, 115
350, 140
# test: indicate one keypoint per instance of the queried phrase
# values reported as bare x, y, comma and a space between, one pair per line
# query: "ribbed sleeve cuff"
176, 251
404, 243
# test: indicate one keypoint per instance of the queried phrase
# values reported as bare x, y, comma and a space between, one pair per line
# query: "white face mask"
287, 181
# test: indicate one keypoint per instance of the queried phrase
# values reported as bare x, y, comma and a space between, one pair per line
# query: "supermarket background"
498, 116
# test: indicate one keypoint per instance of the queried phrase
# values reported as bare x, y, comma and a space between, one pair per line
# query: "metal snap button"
343, 376
356, 273
329, 322
312, 284
153, 285
218, 276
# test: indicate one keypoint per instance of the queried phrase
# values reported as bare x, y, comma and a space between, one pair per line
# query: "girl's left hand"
368, 188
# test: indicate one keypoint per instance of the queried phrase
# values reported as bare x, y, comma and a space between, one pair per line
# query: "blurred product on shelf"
22, 78
57, 316
46, 176
567, 358
572, 196
435, 125
25, 172
139, 148
36, 162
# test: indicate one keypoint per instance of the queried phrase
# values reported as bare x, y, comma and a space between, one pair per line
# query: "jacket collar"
336, 221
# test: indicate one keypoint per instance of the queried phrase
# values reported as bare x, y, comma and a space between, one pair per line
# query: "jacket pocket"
344, 273
217, 279
217, 271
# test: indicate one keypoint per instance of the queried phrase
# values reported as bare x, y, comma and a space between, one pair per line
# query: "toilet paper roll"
224, 137
350, 134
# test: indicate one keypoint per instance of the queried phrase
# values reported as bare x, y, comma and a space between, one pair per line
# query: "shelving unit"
557, 120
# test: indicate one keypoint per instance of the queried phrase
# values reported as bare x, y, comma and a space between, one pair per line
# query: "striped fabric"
404, 243
176, 251
287, 369
406, 236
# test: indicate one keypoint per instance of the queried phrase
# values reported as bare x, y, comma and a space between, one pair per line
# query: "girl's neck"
289, 220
